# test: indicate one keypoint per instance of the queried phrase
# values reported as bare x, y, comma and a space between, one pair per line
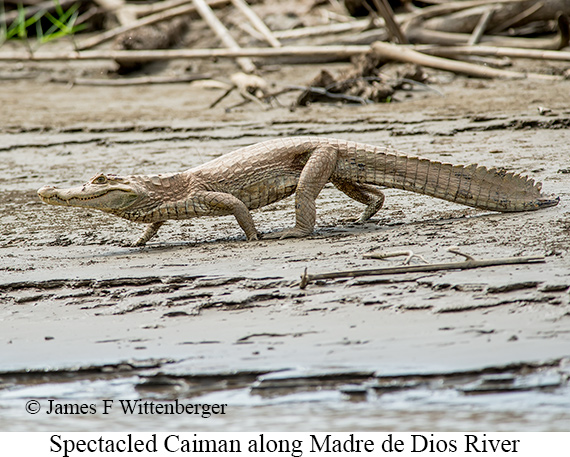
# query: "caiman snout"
46, 191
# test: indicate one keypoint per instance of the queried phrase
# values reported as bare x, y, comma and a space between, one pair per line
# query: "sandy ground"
202, 315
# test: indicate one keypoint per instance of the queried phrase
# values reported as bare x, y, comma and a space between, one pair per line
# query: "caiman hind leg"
316, 173
150, 231
369, 195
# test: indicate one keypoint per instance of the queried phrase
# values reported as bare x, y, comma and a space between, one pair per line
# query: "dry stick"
223, 34
385, 10
452, 7
257, 22
335, 52
451, 51
403, 54
174, 12
481, 27
465, 265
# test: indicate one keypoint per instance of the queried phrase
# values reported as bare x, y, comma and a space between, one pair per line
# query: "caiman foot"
148, 234
289, 233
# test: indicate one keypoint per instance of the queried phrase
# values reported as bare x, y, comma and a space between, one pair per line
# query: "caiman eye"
101, 179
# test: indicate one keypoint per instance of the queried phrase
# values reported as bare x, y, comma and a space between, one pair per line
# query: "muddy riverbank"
202, 315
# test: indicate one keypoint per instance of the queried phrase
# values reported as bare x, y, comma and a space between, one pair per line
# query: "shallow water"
326, 409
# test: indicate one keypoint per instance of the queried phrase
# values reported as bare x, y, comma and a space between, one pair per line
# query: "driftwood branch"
138, 81
465, 265
223, 34
403, 54
334, 52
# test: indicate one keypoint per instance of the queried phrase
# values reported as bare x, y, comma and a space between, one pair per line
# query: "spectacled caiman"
263, 173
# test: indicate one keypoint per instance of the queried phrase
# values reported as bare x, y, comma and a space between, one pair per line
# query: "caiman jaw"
109, 194
54, 196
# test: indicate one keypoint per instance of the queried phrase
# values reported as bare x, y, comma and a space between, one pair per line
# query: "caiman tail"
471, 185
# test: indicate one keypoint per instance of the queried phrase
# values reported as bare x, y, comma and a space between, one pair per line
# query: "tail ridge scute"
492, 188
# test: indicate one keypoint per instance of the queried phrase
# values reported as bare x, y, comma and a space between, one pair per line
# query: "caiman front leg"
316, 173
150, 231
220, 203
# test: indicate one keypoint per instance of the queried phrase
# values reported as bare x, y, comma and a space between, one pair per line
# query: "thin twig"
387, 13
319, 30
256, 22
385, 255
223, 34
479, 30
224, 95
452, 7
333, 95
145, 9
464, 265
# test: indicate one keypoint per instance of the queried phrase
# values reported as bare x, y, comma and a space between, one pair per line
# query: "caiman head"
109, 193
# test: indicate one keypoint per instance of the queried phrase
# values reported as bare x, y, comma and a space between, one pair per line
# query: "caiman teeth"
58, 198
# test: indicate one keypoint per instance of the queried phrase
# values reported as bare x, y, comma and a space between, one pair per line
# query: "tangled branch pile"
471, 37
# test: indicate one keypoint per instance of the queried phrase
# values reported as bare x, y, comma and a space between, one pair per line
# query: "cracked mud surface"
202, 315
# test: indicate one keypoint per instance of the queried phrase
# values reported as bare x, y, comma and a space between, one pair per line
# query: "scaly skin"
263, 173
